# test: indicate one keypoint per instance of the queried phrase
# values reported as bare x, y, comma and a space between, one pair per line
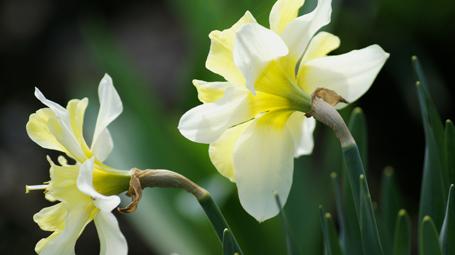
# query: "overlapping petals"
73, 186
255, 120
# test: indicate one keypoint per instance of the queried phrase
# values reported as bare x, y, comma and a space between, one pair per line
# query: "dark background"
153, 49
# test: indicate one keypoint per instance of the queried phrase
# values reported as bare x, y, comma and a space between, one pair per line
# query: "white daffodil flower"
88, 189
255, 120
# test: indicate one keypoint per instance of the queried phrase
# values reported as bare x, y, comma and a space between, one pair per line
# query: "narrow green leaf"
428, 238
390, 205
331, 241
347, 218
358, 127
447, 237
217, 220
435, 175
449, 150
290, 244
402, 235
229, 247
367, 221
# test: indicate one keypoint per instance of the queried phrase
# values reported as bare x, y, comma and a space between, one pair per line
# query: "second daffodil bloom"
255, 120
88, 189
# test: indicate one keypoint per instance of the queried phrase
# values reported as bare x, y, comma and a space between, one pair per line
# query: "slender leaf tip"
402, 213
426, 218
327, 215
388, 171
357, 110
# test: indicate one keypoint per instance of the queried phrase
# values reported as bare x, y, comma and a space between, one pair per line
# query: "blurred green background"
153, 49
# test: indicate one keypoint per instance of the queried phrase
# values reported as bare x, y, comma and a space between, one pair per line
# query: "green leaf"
331, 241
389, 207
367, 221
290, 245
435, 175
217, 220
402, 235
229, 246
358, 127
347, 218
428, 238
449, 150
447, 238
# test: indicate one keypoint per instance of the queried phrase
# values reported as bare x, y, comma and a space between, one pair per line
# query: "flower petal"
321, 45
206, 122
63, 241
220, 58
283, 12
264, 164
222, 149
350, 74
62, 186
76, 111
110, 108
302, 129
255, 46
85, 185
51, 218
210, 91
299, 32
112, 241
59, 126
38, 130
103, 146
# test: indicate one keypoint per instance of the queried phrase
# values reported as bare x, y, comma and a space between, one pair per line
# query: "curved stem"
169, 179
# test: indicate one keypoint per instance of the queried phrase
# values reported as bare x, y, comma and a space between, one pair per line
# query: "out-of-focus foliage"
436, 214
46, 51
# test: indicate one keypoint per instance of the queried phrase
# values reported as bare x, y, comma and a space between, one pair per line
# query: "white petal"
302, 129
350, 74
62, 130
85, 185
254, 47
110, 108
206, 122
65, 242
112, 241
103, 145
299, 32
264, 164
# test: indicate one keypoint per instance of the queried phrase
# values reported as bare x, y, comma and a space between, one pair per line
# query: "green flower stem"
169, 179
327, 114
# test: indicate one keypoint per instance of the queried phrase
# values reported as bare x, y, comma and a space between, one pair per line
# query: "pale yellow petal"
221, 151
283, 12
76, 111
38, 130
210, 91
51, 218
220, 59
63, 184
321, 45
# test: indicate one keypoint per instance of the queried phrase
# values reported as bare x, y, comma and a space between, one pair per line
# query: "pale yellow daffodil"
255, 120
88, 189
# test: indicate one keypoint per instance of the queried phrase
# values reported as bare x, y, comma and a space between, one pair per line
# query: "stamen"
29, 188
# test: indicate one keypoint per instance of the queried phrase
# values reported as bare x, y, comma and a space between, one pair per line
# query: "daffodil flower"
255, 120
88, 189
